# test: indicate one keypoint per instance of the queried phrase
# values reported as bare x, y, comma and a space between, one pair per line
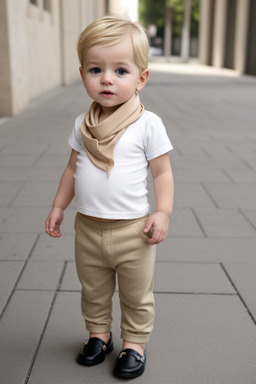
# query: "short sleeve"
75, 139
157, 140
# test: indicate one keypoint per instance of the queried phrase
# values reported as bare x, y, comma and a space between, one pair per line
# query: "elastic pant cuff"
136, 339
97, 329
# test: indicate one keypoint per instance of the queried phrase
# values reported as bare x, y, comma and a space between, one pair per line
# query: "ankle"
140, 348
103, 336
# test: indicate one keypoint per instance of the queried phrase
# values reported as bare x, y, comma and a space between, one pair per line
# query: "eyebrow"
91, 63
122, 63
116, 63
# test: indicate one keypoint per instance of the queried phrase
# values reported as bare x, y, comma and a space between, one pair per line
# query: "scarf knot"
100, 138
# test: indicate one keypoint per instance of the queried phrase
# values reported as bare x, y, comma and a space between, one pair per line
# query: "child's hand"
53, 222
159, 222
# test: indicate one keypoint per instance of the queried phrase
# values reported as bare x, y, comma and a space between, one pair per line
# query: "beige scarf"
100, 138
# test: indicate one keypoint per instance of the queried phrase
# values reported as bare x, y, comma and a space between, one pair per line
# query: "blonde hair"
111, 30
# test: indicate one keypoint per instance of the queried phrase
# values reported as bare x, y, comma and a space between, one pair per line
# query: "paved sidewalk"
205, 282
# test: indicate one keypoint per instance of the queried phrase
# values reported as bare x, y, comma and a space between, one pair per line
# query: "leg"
135, 278
135, 271
98, 285
96, 276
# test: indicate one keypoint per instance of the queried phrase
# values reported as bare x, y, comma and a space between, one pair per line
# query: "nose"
107, 78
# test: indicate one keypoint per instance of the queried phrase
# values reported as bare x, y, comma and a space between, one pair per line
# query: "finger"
51, 226
47, 228
52, 229
148, 225
157, 238
55, 234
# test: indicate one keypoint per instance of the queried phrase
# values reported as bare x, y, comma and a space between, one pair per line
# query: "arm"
63, 198
164, 194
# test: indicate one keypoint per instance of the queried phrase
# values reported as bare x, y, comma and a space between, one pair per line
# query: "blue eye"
95, 70
121, 71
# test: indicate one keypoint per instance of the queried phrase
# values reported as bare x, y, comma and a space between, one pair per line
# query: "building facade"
38, 46
228, 34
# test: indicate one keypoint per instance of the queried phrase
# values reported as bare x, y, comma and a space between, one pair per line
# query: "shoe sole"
126, 375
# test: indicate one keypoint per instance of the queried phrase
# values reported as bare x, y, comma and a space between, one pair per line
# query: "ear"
143, 79
82, 75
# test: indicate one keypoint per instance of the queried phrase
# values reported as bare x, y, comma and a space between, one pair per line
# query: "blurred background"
38, 39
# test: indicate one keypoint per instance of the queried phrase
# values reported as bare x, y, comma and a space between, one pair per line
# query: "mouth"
106, 93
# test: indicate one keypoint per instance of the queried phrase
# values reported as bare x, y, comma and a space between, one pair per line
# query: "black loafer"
130, 364
94, 351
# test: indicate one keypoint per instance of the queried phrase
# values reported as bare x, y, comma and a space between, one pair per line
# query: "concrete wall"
5, 64
226, 29
42, 38
241, 35
71, 25
38, 47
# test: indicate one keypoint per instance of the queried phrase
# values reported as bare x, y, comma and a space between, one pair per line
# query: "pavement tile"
31, 220
247, 145
191, 278
248, 176
9, 273
20, 331
14, 246
53, 160
205, 163
200, 176
57, 148
243, 276
184, 224
8, 191
245, 151
47, 174
207, 250
192, 195
188, 147
250, 159
232, 196
250, 215
50, 249
36, 194
22, 219
10, 174
202, 339
41, 275
23, 146
18, 161
64, 336
221, 153
191, 162
224, 223
70, 281
233, 137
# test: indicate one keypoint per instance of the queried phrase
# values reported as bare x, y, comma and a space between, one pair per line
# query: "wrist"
57, 208
164, 213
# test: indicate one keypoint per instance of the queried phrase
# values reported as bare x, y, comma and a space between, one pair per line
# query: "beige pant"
104, 250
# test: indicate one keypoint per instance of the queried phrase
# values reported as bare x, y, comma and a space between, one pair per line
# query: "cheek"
90, 85
129, 88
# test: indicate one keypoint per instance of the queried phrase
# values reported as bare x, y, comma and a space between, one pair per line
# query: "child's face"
110, 74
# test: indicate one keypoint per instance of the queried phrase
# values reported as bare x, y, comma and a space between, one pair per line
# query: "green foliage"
195, 18
153, 12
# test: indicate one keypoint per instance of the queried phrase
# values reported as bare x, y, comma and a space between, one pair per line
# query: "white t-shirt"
122, 194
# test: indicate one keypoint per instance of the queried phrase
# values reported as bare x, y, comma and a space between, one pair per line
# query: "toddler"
112, 148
